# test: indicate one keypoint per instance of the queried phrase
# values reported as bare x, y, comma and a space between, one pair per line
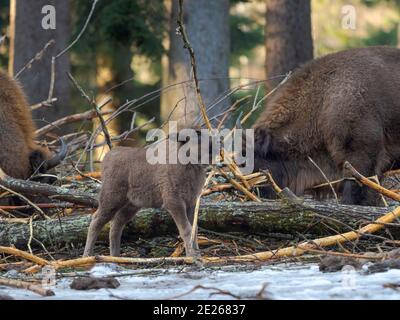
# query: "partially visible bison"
20, 155
341, 107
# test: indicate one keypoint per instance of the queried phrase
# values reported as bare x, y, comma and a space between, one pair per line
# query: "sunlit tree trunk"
398, 36
207, 25
288, 38
113, 68
28, 37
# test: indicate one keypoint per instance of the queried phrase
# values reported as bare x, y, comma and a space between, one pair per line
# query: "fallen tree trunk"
312, 217
36, 188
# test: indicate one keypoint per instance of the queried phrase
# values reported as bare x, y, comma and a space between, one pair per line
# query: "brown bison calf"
130, 183
341, 107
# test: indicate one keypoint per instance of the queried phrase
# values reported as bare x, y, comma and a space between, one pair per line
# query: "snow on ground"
285, 281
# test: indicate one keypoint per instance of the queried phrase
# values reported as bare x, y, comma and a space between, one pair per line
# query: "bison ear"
262, 142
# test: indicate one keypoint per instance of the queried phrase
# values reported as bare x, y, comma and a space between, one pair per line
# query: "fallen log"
28, 286
317, 218
59, 193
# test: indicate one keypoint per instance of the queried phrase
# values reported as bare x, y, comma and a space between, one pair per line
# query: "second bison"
341, 107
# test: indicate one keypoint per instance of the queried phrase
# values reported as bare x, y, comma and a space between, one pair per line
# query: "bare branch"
37, 57
88, 115
96, 109
194, 66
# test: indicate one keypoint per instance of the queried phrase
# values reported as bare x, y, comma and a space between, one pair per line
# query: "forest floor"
280, 281
284, 278
291, 278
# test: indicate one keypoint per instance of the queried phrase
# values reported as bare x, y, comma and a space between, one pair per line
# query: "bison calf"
131, 183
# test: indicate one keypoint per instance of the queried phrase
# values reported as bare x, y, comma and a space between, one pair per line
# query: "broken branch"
27, 286
36, 188
364, 180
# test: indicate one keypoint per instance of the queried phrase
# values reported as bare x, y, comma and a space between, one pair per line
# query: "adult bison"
341, 107
20, 155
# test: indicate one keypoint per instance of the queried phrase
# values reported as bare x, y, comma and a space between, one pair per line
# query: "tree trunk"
112, 68
288, 39
316, 218
398, 35
28, 37
207, 25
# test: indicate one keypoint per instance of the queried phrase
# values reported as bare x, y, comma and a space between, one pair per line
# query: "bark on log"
59, 193
266, 217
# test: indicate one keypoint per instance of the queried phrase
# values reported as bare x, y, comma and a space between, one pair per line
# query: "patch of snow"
285, 281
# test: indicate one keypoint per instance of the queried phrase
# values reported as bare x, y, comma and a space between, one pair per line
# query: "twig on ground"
27, 286
25, 255
216, 291
347, 255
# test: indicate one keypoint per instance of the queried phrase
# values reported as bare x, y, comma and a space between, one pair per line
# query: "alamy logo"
349, 274
349, 17
49, 19
201, 147
48, 277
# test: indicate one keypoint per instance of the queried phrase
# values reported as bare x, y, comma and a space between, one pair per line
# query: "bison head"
269, 154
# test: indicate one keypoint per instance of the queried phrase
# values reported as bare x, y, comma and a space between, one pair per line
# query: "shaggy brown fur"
20, 155
344, 106
131, 183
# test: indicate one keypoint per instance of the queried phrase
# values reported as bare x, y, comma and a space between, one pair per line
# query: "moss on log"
317, 218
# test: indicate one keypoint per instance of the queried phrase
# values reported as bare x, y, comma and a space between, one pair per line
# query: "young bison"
342, 107
130, 182
20, 155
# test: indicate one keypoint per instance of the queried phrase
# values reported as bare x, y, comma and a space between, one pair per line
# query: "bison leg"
101, 217
358, 140
178, 212
355, 193
121, 218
